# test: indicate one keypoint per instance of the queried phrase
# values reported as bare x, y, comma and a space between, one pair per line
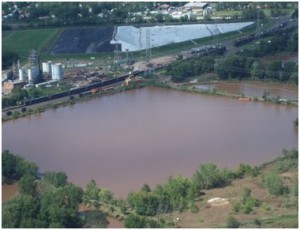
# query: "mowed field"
60, 43
22, 41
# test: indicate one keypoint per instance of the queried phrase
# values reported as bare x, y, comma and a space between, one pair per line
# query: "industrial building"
31, 73
196, 7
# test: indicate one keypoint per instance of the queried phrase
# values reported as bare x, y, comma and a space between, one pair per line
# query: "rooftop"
195, 5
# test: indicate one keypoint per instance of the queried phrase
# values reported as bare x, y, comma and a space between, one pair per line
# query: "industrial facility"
31, 73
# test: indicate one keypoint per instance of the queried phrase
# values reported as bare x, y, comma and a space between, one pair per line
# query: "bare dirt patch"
9, 191
155, 61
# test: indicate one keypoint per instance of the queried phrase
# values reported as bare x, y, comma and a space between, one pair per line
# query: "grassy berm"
259, 209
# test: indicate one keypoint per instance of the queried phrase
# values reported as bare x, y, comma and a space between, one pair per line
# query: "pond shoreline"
186, 87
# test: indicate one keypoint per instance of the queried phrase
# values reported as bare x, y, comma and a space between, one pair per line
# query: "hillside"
272, 212
246, 200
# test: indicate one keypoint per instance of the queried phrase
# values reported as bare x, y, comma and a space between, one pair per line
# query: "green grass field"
22, 41
227, 13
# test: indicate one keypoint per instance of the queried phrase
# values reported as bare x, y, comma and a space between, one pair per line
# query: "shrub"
236, 207
232, 222
289, 161
133, 221
247, 204
257, 222
209, 176
246, 170
273, 182
192, 207
58, 179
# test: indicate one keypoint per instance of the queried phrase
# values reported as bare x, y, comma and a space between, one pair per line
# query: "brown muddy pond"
254, 89
144, 136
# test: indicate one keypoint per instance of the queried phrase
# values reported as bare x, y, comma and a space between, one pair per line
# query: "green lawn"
227, 13
22, 41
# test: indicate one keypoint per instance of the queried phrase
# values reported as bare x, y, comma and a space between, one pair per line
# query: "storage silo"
32, 74
46, 67
57, 72
29, 75
21, 75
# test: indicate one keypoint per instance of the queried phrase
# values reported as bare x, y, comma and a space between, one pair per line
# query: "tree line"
83, 13
69, 14
52, 201
245, 64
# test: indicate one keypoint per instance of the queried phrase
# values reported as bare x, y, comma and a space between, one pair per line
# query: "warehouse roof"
195, 5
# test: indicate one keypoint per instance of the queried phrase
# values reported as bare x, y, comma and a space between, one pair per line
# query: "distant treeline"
90, 13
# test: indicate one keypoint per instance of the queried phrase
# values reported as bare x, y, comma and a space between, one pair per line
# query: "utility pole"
148, 46
257, 22
116, 58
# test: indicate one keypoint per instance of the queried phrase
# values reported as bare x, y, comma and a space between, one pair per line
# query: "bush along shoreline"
150, 82
51, 201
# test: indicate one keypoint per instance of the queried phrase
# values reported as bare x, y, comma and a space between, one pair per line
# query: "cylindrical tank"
33, 74
46, 67
29, 75
21, 75
57, 72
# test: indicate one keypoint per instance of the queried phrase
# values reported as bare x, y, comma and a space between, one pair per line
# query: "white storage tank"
32, 74
57, 72
46, 67
21, 75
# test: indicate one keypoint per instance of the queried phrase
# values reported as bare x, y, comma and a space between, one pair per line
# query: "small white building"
198, 8
195, 6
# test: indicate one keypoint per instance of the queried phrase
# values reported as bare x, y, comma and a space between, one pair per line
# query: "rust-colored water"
144, 136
